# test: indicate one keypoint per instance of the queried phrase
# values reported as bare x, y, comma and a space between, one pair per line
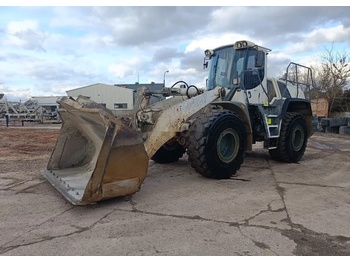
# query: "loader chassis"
215, 127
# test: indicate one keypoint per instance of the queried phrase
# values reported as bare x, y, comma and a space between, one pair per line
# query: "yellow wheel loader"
100, 154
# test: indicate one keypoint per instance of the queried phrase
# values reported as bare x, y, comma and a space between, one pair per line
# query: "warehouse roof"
151, 87
97, 84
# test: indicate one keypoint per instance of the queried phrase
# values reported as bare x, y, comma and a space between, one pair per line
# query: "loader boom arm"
171, 120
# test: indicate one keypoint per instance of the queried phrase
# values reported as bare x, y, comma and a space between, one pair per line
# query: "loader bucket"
96, 156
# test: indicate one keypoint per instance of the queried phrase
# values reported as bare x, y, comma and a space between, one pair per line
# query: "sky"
47, 50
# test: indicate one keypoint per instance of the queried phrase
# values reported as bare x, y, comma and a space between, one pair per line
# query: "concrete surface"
269, 208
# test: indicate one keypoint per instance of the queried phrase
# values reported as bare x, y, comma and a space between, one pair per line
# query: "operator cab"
237, 66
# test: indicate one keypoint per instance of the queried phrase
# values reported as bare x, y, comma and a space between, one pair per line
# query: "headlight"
209, 53
241, 44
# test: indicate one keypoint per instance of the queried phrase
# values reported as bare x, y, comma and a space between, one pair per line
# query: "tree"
331, 75
343, 104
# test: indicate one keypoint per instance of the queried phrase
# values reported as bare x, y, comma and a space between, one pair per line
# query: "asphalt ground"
267, 209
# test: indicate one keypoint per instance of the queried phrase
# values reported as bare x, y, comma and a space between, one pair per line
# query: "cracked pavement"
268, 208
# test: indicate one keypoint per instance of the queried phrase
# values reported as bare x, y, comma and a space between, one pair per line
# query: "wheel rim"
298, 138
228, 145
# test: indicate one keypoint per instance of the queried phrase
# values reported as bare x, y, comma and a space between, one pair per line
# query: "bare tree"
331, 74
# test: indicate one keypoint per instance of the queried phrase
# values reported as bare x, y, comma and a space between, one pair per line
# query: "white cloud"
127, 65
334, 34
119, 70
213, 41
312, 41
65, 17
14, 27
86, 45
25, 34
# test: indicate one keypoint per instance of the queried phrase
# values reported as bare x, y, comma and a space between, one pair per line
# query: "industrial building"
151, 87
110, 96
47, 102
114, 97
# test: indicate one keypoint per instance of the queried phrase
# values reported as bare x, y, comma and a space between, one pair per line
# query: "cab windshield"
227, 64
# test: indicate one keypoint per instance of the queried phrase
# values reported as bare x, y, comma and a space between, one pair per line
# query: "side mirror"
205, 63
259, 59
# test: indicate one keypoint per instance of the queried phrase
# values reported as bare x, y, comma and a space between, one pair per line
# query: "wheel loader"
100, 154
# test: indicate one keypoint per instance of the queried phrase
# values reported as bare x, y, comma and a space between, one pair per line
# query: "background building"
113, 97
151, 87
110, 96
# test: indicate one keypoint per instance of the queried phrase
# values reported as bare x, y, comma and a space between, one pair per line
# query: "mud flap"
96, 156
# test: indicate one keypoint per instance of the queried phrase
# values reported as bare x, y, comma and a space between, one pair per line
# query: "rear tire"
216, 144
293, 139
170, 152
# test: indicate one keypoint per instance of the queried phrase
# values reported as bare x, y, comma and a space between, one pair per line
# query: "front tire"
170, 152
216, 144
293, 139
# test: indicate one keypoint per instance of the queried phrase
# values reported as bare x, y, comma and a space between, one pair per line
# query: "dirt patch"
17, 142
26, 149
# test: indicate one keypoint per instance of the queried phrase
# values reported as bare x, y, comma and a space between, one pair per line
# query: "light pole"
167, 71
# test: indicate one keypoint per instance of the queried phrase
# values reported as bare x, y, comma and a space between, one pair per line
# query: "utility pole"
167, 71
